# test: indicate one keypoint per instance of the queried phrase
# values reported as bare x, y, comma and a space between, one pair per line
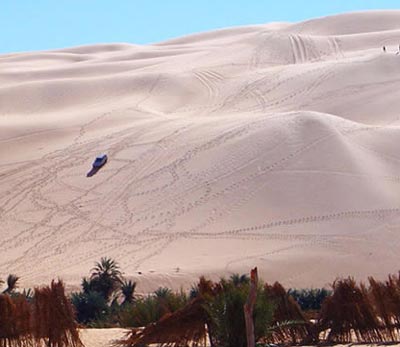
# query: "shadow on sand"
93, 171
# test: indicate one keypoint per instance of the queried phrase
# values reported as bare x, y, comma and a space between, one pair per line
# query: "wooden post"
249, 307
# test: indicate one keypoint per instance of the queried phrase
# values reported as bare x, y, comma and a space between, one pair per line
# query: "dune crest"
272, 145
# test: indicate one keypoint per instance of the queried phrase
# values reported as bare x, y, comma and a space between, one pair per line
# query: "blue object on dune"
100, 161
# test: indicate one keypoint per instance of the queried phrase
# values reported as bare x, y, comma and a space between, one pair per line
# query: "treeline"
212, 312
107, 299
349, 312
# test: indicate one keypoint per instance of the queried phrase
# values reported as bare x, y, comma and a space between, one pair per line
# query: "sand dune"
273, 145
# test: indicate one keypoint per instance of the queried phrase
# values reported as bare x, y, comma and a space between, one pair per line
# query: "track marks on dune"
277, 91
157, 223
284, 100
351, 214
231, 206
210, 81
185, 188
304, 49
35, 179
299, 49
159, 187
44, 177
335, 44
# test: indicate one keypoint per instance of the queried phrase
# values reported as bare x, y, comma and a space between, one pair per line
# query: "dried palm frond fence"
291, 325
46, 321
357, 313
15, 318
182, 328
349, 315
353, 313
386, 300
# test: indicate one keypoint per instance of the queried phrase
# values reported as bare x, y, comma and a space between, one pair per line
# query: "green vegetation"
90, 307
128, 292
151, 308
310, 299
108, 299
97, 303
105, 278
229, 303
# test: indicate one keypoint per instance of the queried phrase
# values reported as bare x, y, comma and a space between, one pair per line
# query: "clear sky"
27, 25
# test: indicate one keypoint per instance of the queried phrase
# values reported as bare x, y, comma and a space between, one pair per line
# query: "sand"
274, 146
102, 337
108, 337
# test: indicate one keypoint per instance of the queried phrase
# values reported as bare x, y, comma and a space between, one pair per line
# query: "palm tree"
85, 285
162, 292
106, 267
128, 291
105, 277
12, 281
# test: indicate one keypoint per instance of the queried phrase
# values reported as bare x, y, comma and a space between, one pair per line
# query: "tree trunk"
249, 307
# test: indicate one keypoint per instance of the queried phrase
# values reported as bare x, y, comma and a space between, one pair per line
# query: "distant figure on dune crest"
384, 49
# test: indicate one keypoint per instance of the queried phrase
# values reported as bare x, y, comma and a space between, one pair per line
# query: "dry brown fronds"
179, 329
14, 322
348, 315
288, 310
386, 299
393, 293
382, 301
207, 288
53, 323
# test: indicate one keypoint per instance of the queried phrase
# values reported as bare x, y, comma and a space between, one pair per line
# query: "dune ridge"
273, 145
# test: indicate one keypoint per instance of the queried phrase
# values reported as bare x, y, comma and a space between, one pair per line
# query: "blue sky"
27, 25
